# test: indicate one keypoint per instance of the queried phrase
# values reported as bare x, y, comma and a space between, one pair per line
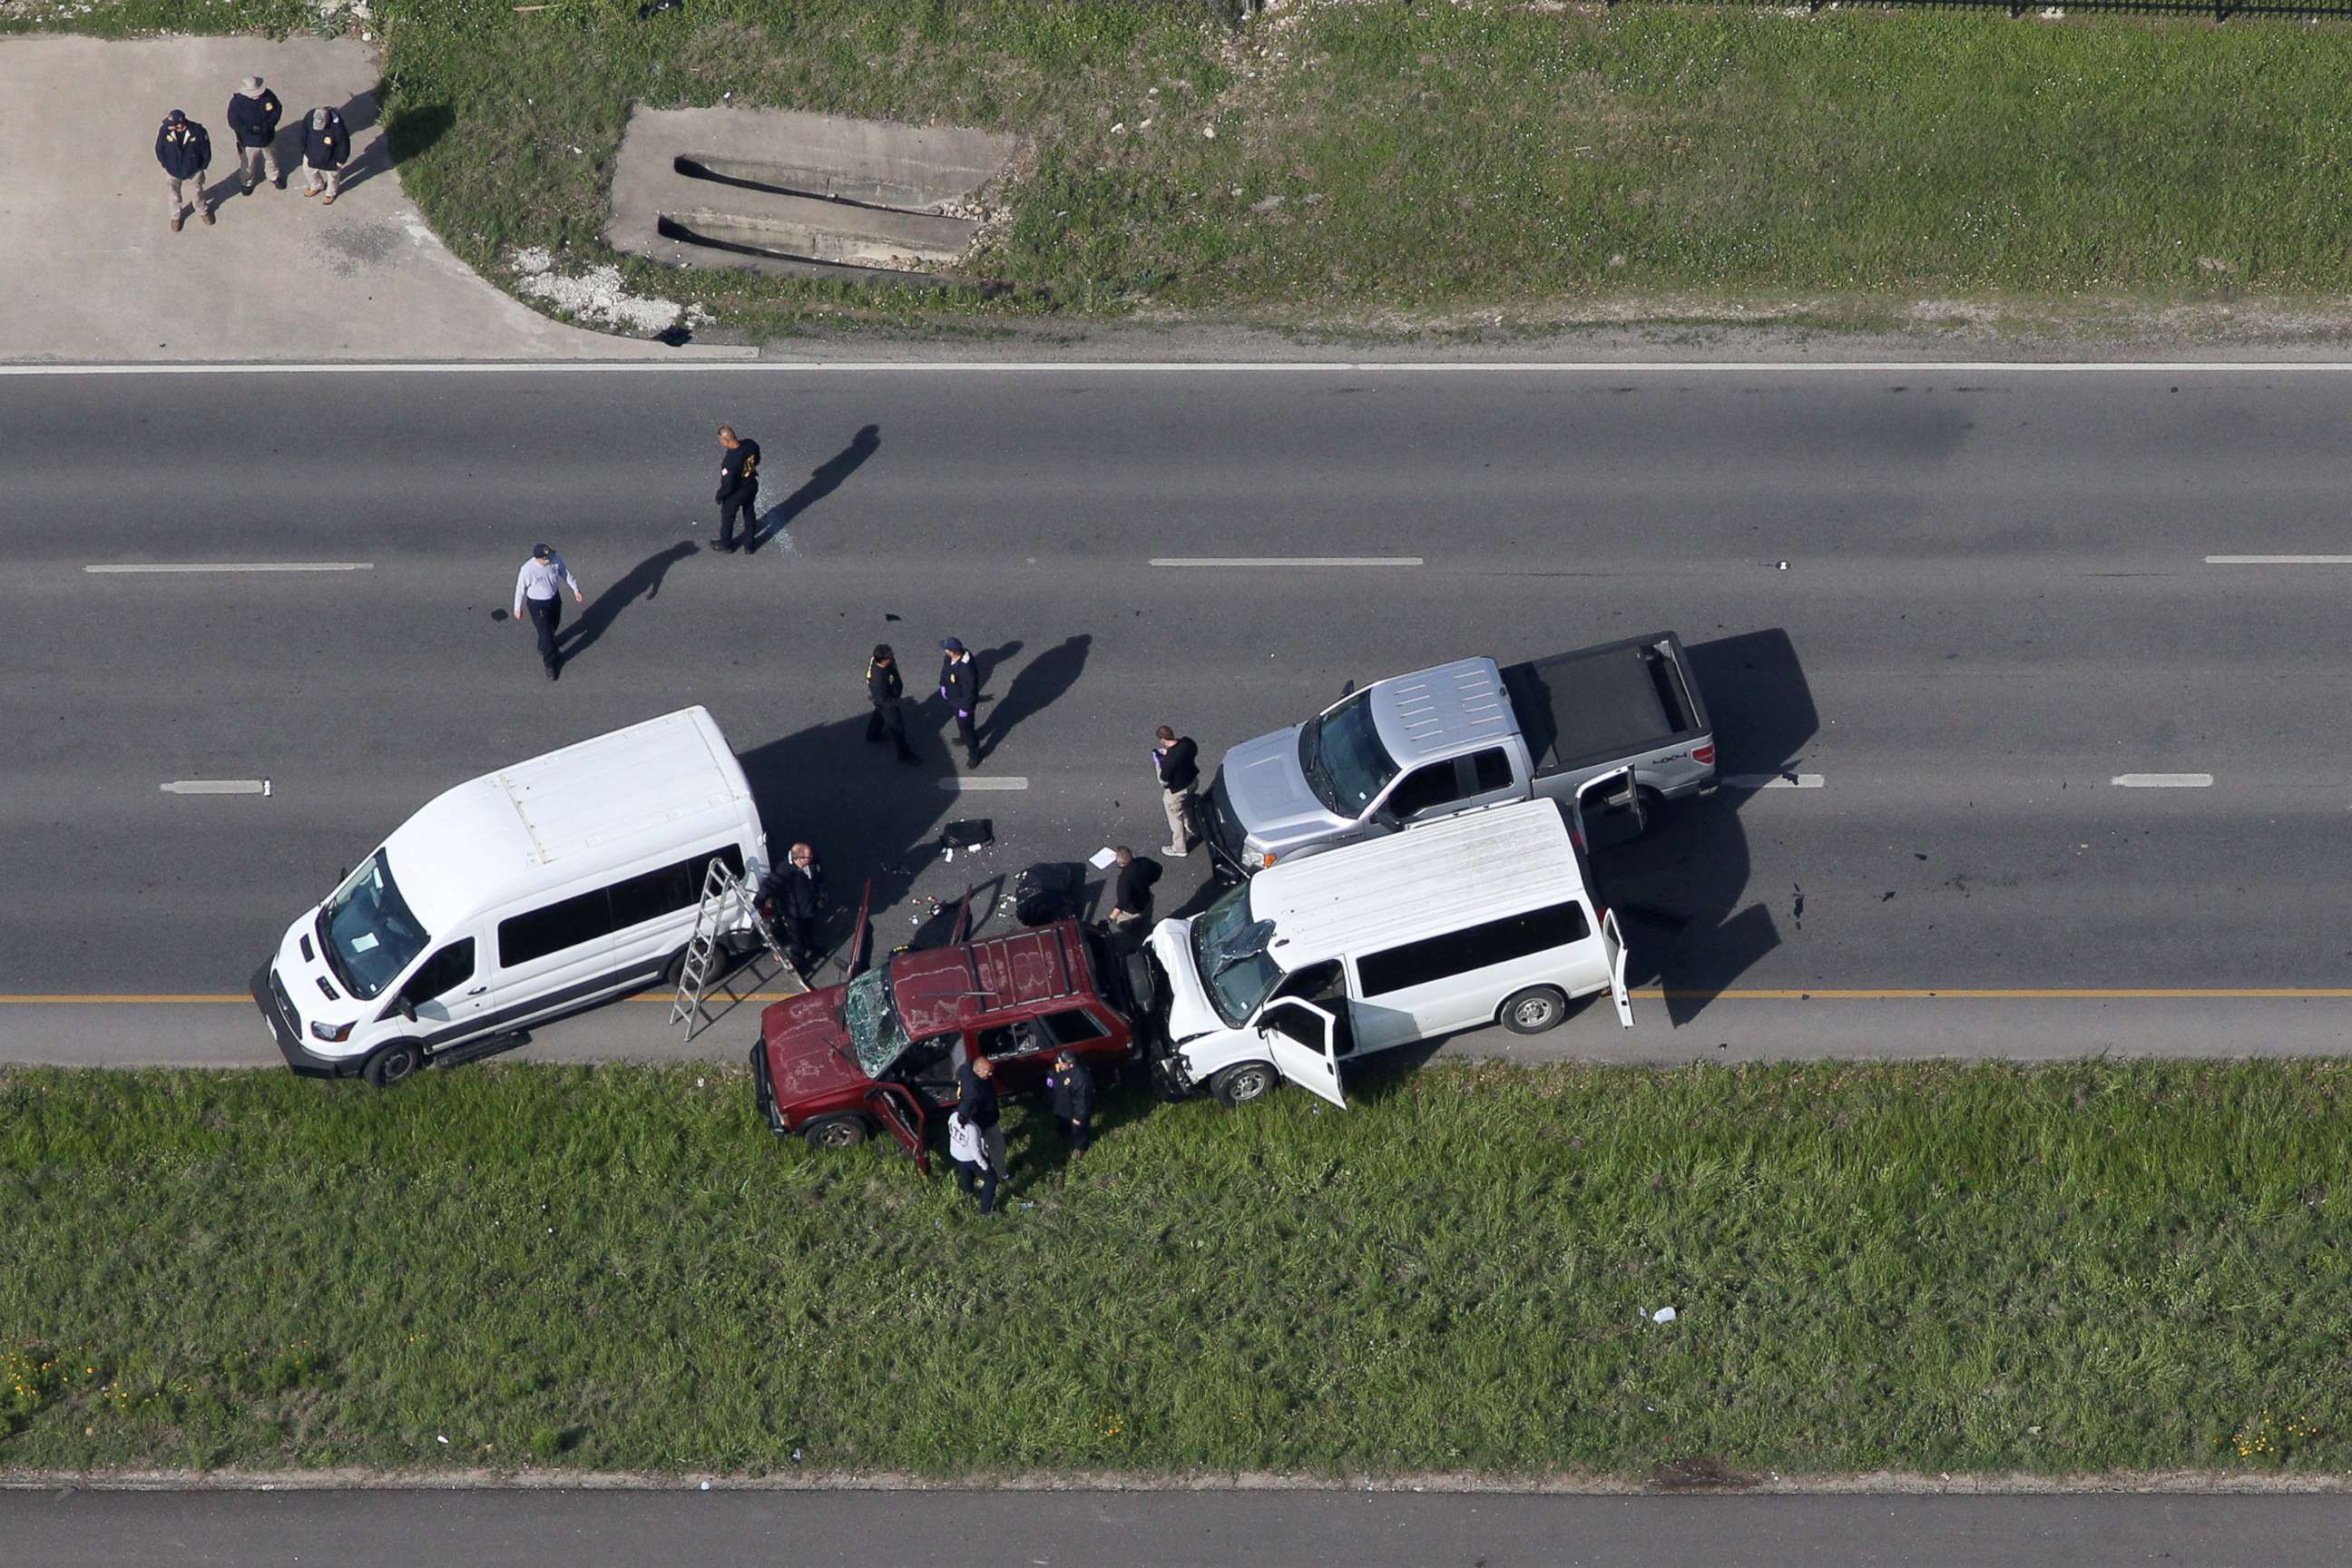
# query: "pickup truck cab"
1416, 748
880, 1053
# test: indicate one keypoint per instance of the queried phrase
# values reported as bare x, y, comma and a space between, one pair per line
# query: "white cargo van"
1486, 917
534, 891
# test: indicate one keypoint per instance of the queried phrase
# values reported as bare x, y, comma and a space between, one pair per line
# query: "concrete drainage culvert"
802, 195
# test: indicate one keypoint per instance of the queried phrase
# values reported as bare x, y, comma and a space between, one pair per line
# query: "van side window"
583, 918
1424, 788
591, 917
1490, 770
652, 894
443, 972
1474, 947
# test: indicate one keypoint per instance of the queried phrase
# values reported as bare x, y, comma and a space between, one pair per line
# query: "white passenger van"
534, 891
1482, 917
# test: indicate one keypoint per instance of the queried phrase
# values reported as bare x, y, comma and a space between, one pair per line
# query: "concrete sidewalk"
94, 274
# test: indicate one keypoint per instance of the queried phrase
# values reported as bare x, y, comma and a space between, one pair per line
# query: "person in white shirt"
536, 586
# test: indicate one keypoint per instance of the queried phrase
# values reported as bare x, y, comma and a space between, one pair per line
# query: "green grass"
1383, 158
1928, 1268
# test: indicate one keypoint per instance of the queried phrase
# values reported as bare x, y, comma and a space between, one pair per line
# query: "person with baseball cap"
959, 687
185, 151
536, 586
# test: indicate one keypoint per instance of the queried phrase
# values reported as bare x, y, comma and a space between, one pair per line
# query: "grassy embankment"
1930, 1267
1379, 160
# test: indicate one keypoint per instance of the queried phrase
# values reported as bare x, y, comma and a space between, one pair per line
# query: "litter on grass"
1662, 1315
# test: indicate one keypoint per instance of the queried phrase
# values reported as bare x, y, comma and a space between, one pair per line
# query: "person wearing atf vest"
326, 144
185, 152
252, 114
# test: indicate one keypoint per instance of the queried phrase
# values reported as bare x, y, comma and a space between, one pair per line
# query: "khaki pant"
1178, 803
193, 187
255, 163
313, 178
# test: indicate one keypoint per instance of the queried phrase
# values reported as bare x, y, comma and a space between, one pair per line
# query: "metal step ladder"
727, 906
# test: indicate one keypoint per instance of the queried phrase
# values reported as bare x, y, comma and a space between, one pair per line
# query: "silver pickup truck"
1416, 747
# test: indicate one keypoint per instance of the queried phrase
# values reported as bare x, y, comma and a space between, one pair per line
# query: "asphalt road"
1166, 1530
1997, 600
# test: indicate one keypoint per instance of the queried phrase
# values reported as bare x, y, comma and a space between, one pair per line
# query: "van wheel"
391, 1065
836, 1133
1244, 1081
1534, 1010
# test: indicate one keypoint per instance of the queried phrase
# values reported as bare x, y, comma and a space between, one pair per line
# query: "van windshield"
1343, 757
1228, 955
869, 1011
366, 931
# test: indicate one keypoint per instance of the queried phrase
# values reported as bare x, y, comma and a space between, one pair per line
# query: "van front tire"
391, 1065
1243, 1083
836, 1133
1534, 1010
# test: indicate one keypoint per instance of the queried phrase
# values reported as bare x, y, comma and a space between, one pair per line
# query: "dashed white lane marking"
216, 786
728, 357
1285, 561
966, 786
2162, 781
1774, 781
2278, 560
145, 566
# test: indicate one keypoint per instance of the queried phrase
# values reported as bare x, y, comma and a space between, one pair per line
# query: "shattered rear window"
869, 1012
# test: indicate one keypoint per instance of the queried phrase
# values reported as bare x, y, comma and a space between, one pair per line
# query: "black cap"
882, 651
540, 552
948, 645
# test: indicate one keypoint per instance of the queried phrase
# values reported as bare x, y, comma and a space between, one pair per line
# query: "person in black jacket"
738, 487
1177, 761
253, 113
790, 895
185, 152
960, 685
1073, 1085
326, 144
976, 1103
885, 690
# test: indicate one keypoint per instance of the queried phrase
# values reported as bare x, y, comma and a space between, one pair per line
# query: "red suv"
882, 1051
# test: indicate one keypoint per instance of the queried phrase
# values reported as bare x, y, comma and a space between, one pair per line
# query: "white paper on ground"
1101, 860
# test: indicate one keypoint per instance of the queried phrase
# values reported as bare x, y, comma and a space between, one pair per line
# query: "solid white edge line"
2278, 560
1284, 561
2162, 781
1351, 367
129, 569
1002, 781
1774, 781
216, 786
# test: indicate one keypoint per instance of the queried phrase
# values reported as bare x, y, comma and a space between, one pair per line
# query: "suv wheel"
391, 1065
1534, 1010
836, 1133
1245, 1081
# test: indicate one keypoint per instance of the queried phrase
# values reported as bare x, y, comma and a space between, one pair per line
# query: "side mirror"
408, 1009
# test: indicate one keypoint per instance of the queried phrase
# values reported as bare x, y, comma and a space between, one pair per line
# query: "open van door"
1302, 1039
1610, 810
1613, 951
900, 1117
861, 936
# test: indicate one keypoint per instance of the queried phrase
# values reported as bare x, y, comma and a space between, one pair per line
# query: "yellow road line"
1940, 994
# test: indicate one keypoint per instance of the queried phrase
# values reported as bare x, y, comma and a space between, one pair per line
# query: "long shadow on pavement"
822, 480
642, 581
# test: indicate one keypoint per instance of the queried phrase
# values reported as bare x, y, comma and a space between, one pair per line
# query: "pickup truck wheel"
1653, 805
1534, 1010
836, 1133
1243, 1083
390, 1065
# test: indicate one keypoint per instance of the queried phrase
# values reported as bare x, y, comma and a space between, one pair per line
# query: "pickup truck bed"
1597, 704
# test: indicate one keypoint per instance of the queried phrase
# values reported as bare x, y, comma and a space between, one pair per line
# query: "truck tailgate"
1616, 701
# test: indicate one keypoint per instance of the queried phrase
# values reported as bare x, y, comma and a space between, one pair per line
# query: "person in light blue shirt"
536, 586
